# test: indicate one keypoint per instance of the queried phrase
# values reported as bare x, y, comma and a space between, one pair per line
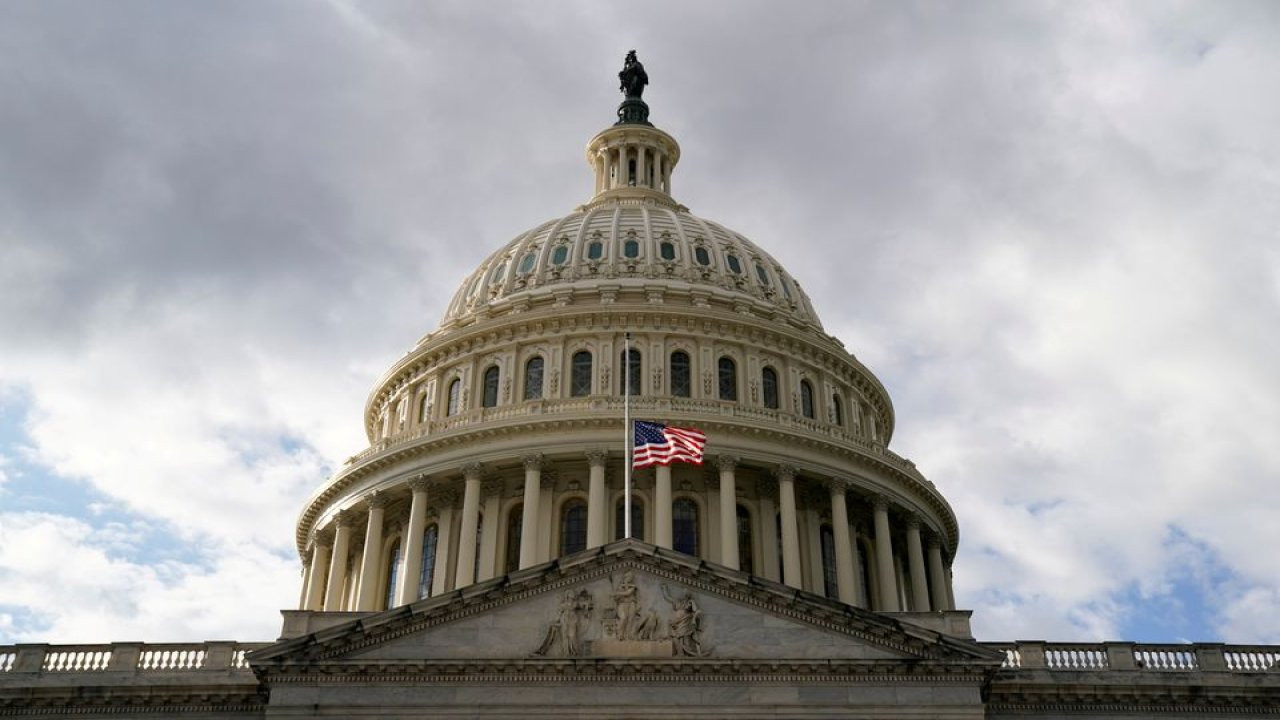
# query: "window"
745, 562
595, 250
455, 397
684, 526
498, 273
728, 379
763, 275
393, 574
573, 527
785, 290
702, 256
837, 409
428, 567
580, 374
533, 378
424, 408
769, 387
631, 249
667, 251
560, 254
490, 398
806, 399
680, 385
828, 540
526, 263
735, 266
637, 518
515, 523
630, 362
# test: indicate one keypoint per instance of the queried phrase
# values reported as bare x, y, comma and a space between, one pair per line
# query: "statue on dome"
632, 77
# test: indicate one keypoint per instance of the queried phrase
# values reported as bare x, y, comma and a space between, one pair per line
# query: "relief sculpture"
565, 635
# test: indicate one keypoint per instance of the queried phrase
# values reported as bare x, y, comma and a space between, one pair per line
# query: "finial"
632, 79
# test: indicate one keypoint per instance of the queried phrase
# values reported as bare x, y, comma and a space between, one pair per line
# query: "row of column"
929, 580
612, 166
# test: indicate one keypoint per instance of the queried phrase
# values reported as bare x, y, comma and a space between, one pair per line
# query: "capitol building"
474, 560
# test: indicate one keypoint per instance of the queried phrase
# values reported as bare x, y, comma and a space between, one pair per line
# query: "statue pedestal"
633, 648
633, 111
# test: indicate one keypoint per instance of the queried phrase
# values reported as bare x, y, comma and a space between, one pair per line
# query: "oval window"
700, 254
762, 274
667, 251
526, 264
785, 289
631, 249
498, 272
734, 265
595, 250
560, 254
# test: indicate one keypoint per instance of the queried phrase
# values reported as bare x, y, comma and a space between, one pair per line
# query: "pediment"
627, 600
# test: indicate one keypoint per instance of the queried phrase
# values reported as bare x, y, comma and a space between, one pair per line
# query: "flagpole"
628, 459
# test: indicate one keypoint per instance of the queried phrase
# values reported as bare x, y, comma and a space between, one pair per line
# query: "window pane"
533, 378
684, 526
424, 409
526, 264
560, 254
631, 249
631, 370
490, 387
429, 537
680, 386
836, 410
785, 289
734, 265
580, 377
667, 251
762, 274
595, 250
455, 396
769, 386
728, 379
637, 519
806, 399
498, 272
829, 562
573, 527
701, 255
745, 561
393, 573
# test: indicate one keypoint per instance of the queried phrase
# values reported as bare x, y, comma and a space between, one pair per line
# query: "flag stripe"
658, 444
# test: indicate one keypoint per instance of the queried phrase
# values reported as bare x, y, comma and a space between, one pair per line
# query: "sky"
1051, 230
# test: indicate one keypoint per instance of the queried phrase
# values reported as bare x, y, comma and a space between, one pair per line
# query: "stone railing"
1209, 657
125, 657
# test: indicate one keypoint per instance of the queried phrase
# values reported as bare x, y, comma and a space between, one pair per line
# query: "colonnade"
898, 576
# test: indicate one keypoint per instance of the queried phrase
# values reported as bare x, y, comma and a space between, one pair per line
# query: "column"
547, 530
728, 511
844, 550
791, 571
443, 499
767, 527
321, 548
412, 544
491, 491
371, 563
529, 518
662, 506
915, 564
659, 161
884, 558
937, 584
861, 595
640, 176
338, 562
465, 572
597, 499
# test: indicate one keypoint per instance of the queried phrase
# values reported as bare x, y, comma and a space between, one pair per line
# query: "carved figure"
565, 632
633, 77
626, 604
686, 624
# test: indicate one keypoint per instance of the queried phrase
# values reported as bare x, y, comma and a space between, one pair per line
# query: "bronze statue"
632, 77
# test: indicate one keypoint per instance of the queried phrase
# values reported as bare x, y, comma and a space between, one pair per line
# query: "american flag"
658, 444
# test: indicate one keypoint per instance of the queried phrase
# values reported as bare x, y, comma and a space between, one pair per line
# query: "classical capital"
726, 462
597, 457
785, 472
835, 485
472, 471
324, 537
419, 483
378, 500
533, 461
881, 503
913, 522
344, 519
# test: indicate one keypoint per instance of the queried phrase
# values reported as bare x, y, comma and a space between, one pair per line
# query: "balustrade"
1145, 658
126, 657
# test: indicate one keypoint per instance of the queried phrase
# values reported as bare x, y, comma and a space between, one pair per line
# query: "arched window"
728, 379
769, 387
573, 527
498, 273
684, 526
515, 523
837, 409
745, 562
631, 249
490, 398
429, 538
455, 397
637, 518
533, 378
393, 573
580, 374
424, 408
680, 385
828, 540
630, 362
806, 399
